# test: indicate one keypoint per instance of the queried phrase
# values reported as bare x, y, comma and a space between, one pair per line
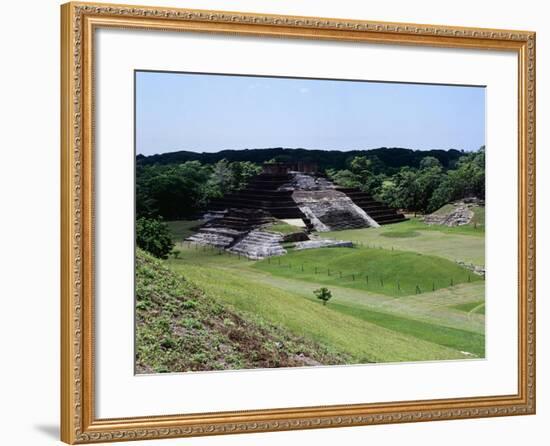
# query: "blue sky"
208, 113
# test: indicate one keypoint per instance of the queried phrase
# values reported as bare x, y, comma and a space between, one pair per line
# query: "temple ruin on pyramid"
294, 193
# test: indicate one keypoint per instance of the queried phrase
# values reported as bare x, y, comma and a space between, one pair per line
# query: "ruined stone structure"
460, 214
237, 221
284, 168
230, 227
259, 244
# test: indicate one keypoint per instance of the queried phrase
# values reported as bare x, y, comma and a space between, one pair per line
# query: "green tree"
428, 180
364, 172
153, 236
443, 194
429, 162
221, 180
173, 191
466, 180
429, 187
345, 178
242, 172
407, 193
324, 294
387, 194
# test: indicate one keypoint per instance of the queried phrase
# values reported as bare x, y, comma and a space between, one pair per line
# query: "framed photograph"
274, 223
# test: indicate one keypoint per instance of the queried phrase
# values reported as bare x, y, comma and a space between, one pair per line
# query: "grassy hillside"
464, 243
472, 307
368, 327
384, 271
180, 328
364, 324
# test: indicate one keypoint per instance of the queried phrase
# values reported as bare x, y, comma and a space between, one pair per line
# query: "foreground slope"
180, 328
363, 335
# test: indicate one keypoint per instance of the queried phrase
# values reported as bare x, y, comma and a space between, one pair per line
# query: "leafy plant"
153, 236
324, 294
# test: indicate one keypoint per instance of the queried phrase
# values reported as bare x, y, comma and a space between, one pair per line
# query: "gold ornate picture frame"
78, 421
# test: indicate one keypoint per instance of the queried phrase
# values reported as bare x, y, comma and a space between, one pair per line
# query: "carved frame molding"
78, 424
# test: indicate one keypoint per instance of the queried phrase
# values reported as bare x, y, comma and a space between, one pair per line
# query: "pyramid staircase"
234, 227
262, 193
381, 213
259, 245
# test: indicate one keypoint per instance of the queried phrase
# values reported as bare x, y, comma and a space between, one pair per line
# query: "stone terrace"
236, 221
263, 193
381, 213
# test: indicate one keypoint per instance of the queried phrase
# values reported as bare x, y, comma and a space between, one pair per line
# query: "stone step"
260, 240
259, 245
392, 220
323, 243
380, 212
216, 240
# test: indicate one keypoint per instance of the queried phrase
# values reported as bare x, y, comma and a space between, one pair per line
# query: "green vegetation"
323, 294
472, 307
461, 340
153, 236
360, 324
177, 191
420, 188
181, 328
178, 185
399, 295
291, 305
478, 220
416, 224
445, 209
453, 243
181, 229
284, 227
400, 234
391, 158
393, 273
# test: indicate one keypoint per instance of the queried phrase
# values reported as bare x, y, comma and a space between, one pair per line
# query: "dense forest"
178, 185
392, 158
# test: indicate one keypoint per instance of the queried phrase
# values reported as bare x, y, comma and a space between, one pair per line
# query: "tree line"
419, 189
181, 190
392, 158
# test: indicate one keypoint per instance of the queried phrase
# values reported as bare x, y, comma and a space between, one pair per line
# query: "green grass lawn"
284, 228
383, 271
479, 217
400, 234
367, 323
472, 307
450, 337
181, 229
434, 307
464, 243
416, 223
364, 341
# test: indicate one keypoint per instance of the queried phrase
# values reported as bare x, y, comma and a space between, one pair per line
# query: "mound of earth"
458, 213
179, 328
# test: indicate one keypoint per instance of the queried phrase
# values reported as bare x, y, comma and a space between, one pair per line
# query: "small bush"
153, 236
324, 294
